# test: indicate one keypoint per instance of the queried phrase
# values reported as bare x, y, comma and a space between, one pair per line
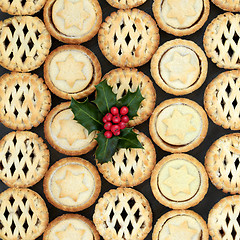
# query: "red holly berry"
107, 126
125, 119
108, 134
117, 133
122, 125
124, 110
109, 116
115, 128
116, 119
114, 110
104, 119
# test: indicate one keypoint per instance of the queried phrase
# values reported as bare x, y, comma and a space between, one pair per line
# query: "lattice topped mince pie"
123, 213
221, 100
122, 80
221, 41
20, 7
23, 214
24, 43
24, 100
128, 38
24, 159
130, 167
181, 17
223, 219
125, 4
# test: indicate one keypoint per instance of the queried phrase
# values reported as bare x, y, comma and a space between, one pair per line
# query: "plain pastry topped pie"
228, 5
24, 159
72, 71
23, 214
181, 17
125, 4
178, 125
179, 67
179, 181
123, 213
65, 134
25, 100
180, 225
73, 21
128, 38
24, 43
74, 225
72, 184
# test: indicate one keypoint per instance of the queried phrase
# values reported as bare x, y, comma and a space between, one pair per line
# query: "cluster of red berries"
114, 122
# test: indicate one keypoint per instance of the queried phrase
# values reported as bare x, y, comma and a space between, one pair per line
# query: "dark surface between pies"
214, 132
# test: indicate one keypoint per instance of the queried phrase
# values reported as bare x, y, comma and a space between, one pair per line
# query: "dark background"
214, 132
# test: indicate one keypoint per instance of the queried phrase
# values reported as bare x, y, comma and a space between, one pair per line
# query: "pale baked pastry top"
180, 67
178, 124
181, 227
71, 70
68, 133
74, 18
179, 180
71, 184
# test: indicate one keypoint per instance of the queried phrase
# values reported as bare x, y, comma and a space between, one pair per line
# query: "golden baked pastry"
130, 167
24, 159
72, 71
71, 21
74, 225
178, 125
128, 38
65, 134
129, 79
228, 5
23, 214
179, 67
125, 4
25, 100
180, 225
24, 43
123, 213
72, 184
179, 181
181, 17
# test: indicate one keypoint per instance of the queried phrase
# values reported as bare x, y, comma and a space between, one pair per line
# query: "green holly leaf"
87, 114
132, 101
128, 139
106, 148
105, 98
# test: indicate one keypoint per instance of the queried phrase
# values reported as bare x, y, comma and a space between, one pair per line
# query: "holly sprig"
90, 115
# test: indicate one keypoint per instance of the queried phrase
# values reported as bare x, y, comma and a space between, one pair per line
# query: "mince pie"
125, 4
228, 5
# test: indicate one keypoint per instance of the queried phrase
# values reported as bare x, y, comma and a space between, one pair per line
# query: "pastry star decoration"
181, 231
71, 131
180, 67
71, 185
181, 9
179, 125
70, 70
70, 231
73, 14
179, 180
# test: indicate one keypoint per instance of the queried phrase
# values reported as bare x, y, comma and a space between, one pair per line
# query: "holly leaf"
132, 100
128, 139
105, 98
87, 114
106, 148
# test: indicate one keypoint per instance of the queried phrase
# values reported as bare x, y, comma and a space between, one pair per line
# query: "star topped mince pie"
179, 225
73, 21
72, 71
24, 43
181, 17
72, 184
179, 181
178, 125
179, 67
65, 134
74, 225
